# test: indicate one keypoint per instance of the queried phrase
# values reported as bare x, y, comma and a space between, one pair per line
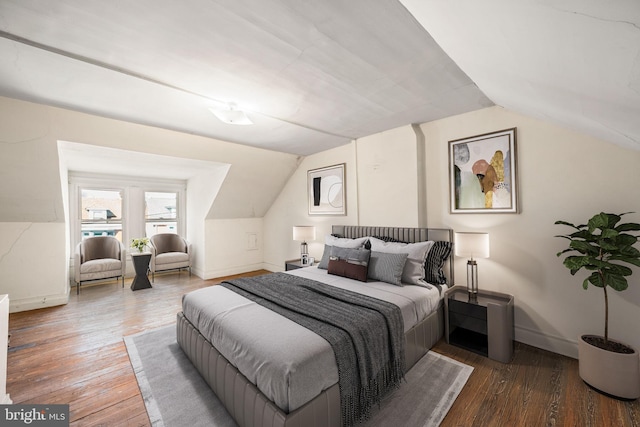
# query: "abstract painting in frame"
326, 189
482, 173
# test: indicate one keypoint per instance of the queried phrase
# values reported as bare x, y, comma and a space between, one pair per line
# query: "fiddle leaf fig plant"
601, 247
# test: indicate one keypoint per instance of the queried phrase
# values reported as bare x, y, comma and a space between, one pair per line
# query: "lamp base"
304, 254
472, 280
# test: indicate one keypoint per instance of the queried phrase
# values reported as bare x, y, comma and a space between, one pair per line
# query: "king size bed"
270, 367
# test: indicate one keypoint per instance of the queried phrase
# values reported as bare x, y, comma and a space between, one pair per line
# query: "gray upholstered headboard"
403, 234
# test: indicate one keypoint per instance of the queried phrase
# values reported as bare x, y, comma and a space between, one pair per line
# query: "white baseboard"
34, 303
214, 274
272, 267
6, 400
547, 342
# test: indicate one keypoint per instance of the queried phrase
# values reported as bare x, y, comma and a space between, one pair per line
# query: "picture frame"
326, 190
483, 173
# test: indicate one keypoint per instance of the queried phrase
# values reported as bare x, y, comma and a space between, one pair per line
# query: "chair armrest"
77, 260
123, 258
152, 263
188, 244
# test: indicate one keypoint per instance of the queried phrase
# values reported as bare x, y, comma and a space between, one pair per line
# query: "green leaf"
609, 233
617, 282
600, 221
584, 247
564, 251
633, 261
596, 280
576, 262
629, 226
618, 269
626, 240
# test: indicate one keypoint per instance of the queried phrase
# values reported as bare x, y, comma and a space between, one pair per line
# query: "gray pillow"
324, 262
416, 254
335, 251
386, 267
335, 242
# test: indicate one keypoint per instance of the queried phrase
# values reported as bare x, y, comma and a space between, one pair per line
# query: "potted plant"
139, 243
601, 247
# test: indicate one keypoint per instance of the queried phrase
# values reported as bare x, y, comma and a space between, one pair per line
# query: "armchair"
169, 252
97, 258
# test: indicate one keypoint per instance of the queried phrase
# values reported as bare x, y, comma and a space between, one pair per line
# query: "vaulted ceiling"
315, 75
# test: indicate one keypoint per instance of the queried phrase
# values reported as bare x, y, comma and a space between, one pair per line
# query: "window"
101, 213
161, 212
124, 207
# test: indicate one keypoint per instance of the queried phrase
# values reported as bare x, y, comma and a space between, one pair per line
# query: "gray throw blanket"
366, 334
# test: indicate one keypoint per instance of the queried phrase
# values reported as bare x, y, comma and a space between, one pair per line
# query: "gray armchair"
97, 258
169, 252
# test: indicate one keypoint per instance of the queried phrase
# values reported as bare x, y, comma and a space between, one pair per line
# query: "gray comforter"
366, 334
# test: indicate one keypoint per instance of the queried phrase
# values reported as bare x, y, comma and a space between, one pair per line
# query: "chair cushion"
172, 258
100, 265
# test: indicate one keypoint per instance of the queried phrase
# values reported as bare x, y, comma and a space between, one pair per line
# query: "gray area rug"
176, 395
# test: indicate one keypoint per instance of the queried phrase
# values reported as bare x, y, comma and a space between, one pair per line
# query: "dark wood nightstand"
293, 264
484, 326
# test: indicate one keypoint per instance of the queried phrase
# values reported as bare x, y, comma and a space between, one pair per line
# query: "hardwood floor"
75, 354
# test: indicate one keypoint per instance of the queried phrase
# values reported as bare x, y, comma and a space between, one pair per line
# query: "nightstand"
484, 326
293, 264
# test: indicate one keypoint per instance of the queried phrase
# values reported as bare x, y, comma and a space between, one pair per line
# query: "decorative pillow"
436, 258
341, 242
413, 272
387, 267
324, 261
351, 263
384, 239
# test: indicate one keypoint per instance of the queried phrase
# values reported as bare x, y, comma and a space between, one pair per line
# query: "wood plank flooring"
75, 354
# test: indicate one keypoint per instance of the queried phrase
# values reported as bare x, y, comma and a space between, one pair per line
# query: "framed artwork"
482, 173
326, 190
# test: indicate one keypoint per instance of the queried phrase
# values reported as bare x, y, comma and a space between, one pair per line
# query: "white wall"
562, 175
233, 246
388, 175
198, 206
33, 264
292, 208
32, 211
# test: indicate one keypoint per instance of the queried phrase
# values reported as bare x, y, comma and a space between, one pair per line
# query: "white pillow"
342, 242
413, 272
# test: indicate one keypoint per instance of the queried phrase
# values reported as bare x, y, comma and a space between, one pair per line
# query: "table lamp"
303, 233
472, 245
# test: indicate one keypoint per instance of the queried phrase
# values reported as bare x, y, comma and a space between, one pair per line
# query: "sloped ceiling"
572, 62
315, 75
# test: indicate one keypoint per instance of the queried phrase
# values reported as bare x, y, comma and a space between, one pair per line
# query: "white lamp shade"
302, 233
472, 245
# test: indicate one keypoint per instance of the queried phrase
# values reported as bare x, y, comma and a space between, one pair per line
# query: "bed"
245, 352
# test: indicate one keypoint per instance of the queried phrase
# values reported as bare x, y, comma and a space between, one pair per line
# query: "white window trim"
128, 185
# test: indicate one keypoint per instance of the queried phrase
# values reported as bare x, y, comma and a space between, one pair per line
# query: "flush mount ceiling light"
230, 114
